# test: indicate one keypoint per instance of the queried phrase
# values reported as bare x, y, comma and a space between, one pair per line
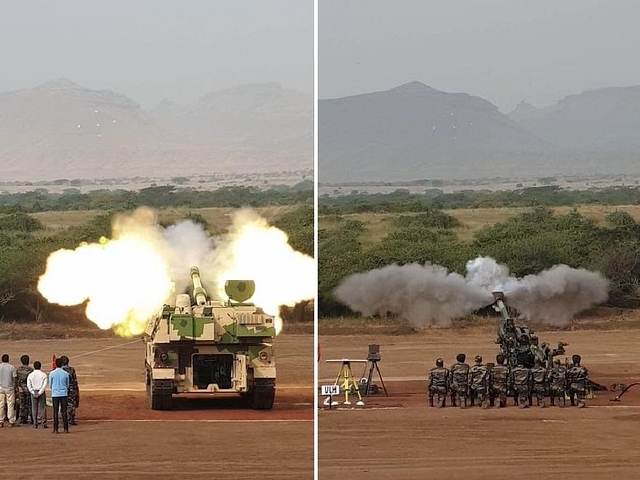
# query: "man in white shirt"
37, 384
7, 391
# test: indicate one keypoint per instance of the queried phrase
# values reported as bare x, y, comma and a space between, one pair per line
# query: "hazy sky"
505, 51
152, 49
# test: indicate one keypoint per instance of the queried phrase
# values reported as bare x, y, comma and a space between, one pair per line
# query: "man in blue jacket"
59, 383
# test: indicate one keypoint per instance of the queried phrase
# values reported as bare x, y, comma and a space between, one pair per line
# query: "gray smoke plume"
430, 295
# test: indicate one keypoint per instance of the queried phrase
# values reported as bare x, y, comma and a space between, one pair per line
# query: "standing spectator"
73, 401
7, 391
37, 384
59, 382
23, 396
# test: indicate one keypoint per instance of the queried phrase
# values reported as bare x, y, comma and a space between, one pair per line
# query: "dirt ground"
399, 436
119, 437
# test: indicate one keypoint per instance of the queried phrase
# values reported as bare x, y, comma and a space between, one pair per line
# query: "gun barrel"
199, 293
501, 307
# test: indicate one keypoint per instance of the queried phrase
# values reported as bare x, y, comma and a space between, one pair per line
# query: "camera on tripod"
374, 353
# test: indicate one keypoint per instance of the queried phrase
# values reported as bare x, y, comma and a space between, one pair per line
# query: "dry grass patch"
599, 318
44, 331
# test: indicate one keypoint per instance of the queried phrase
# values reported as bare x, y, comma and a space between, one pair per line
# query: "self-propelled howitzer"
202, 346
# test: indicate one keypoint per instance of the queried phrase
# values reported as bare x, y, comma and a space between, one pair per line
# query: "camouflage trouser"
23, 402
521, 396
440, 392
500, 394
458, 396
577, 394
557, 394
538, 392
480, 394
71, 406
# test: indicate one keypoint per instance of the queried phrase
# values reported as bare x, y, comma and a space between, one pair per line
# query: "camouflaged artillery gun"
517, 342
203, 346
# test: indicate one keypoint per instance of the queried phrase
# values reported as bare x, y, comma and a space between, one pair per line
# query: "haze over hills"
417, 132
63, 130
606, 119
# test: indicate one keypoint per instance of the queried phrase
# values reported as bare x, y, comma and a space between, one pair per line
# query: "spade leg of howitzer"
159, 394
262, 395
617, 399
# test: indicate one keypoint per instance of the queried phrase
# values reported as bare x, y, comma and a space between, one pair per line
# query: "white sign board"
329, 390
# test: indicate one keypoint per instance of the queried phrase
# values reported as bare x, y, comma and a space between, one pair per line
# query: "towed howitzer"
198, 345
518, 342
514, 340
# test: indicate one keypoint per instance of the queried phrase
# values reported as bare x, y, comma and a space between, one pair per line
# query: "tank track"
159, 394
262, 395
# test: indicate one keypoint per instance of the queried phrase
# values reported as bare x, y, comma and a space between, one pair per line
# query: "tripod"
373, 365
347, 381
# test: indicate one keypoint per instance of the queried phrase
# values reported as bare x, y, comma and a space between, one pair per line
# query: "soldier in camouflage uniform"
23, 396
535, 349
521, 378
557, 383
499, 381
459, 375
539, 382
73, 400
438, 383
478, 384
577, 380
546, 355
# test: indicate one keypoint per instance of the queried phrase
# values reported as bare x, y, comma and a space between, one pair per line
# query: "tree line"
527, 243
164, 196
402, 200
25, 246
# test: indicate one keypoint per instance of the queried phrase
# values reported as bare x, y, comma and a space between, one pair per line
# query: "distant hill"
271, 121
63, 130
604, 120
417, 132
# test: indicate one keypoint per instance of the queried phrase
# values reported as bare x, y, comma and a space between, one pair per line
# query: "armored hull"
200, 346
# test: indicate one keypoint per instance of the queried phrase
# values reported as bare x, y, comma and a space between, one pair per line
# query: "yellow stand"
347, 381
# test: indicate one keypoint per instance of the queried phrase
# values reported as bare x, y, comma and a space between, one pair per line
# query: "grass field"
378, 225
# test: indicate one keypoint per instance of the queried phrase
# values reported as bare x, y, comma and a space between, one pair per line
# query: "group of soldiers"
490, 384
23, 397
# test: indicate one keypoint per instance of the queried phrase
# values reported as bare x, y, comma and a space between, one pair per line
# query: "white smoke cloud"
128, 278
430, 295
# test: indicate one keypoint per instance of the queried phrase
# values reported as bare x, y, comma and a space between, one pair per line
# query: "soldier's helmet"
534, 339
556, 362
544, 345
64, 359
461, 357
478, 359
576, 359
24, 359
439, 362
500, 358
